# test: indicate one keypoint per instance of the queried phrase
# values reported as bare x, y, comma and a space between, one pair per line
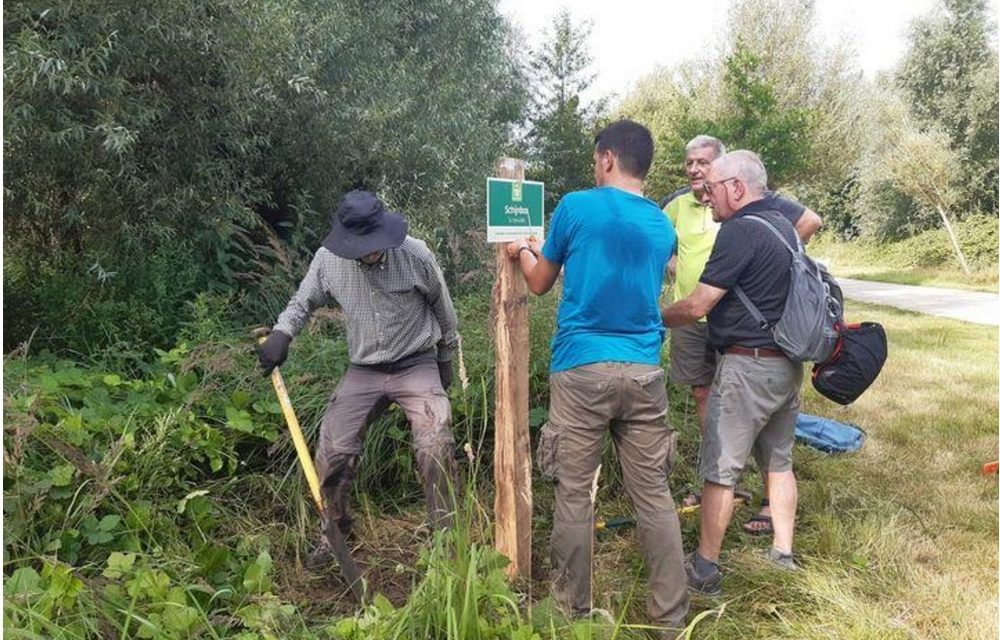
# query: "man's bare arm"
808, 224
539, 273
697, 305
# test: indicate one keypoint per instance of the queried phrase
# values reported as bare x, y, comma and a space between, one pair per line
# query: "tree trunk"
954, 240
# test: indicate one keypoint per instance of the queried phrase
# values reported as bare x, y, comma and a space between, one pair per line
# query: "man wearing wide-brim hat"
401, 332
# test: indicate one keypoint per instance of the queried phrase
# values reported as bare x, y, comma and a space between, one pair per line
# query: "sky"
630, 38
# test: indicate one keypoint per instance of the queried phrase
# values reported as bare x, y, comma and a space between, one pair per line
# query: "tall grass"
114, 528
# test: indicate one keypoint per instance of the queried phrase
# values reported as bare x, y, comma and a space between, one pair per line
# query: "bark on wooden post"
512, 450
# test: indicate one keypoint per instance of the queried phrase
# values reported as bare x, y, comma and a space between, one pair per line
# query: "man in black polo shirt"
754, 399
691, 362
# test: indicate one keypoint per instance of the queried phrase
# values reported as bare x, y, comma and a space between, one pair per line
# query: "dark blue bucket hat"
361, 226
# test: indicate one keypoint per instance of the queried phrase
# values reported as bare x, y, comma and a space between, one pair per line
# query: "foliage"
928, 250
132, 505
122, 440
779, 135
925, 169
150, 154
459, 572
214, 554
561, 134
910, 178
110, 518
667, 103
948, 77
938, 73
809, 72
929, 144
772, 87
129, 161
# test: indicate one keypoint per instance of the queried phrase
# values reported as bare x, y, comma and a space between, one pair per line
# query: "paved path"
971, 306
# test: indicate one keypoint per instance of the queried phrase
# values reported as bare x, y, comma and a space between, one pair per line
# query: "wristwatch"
526, 248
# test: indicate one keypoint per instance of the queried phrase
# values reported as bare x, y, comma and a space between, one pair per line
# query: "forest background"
170, 167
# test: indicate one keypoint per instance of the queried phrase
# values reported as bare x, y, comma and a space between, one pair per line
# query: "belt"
405, 362
756, 352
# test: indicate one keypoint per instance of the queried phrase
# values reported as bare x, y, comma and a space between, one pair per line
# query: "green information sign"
514, 209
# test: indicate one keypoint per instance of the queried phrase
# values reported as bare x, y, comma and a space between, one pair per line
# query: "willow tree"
948, 76
923, 165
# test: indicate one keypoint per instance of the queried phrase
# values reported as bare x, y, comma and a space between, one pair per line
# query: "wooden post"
512, 446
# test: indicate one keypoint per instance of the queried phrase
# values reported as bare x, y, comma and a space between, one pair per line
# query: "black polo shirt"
791, 209
747, 254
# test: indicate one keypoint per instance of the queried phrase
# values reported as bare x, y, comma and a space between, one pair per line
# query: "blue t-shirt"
614, 246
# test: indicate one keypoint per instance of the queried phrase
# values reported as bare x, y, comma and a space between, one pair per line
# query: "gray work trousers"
361, 397
632, 400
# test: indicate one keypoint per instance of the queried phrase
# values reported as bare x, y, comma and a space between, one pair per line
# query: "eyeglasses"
711, 185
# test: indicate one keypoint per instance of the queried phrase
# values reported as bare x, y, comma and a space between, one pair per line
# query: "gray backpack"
810, 324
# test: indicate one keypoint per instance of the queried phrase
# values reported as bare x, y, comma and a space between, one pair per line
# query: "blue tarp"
828, 435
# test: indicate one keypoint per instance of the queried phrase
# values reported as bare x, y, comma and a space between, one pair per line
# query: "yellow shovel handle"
300, 443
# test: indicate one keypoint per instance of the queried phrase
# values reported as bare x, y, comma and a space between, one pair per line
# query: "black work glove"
447, 373
273, 351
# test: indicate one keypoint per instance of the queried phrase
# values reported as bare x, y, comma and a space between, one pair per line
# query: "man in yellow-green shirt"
692, 362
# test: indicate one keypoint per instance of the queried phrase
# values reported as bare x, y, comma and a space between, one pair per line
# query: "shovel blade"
348, 568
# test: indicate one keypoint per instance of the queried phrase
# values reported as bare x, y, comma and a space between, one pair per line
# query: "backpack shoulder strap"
751, 307
777, 233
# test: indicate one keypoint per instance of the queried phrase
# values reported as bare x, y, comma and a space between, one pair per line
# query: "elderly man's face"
696, 163
722, 193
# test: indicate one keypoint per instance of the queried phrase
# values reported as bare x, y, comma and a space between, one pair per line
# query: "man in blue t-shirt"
612, 245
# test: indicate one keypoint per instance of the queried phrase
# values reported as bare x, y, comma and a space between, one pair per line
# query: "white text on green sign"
514, 209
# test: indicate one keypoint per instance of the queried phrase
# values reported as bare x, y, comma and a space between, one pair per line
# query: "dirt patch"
387, 551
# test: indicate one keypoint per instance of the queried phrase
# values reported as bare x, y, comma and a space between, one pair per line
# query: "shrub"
978, 236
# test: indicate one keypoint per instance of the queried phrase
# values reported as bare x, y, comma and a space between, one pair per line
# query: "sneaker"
782, 560
706, 585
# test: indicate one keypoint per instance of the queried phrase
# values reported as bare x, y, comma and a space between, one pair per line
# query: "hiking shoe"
321, 556
709, 584
782, 560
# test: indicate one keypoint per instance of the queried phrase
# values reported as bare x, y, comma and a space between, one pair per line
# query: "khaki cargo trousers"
361, 397
631, 399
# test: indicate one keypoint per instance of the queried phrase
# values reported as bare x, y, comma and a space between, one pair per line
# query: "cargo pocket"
547, 454
671, 454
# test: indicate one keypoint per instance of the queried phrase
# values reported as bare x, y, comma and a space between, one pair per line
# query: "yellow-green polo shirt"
696, 233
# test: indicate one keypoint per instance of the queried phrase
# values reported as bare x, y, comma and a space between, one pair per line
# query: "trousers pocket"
671, 452
650, 377
547, 454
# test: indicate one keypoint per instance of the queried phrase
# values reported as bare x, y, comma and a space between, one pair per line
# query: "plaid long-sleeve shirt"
393, 309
